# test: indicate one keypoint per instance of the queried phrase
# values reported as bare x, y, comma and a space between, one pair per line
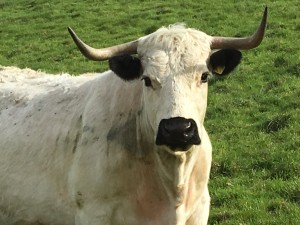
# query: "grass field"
253, 115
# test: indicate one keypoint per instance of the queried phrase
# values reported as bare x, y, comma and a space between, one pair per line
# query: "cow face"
174, 65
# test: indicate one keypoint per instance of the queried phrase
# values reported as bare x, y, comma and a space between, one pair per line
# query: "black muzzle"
178, 133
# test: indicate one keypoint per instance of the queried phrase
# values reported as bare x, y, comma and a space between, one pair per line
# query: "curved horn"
103, 53
242, 43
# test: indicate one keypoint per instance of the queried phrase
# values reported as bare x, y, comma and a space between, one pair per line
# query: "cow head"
174, 64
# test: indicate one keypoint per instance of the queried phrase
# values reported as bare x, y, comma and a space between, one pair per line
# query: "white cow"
96, 150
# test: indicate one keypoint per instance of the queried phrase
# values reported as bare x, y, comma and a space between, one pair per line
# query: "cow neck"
175, 169
144, 133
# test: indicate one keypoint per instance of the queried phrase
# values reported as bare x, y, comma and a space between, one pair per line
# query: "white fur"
81, 150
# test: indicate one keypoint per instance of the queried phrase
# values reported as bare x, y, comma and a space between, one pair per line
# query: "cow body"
94, 150
60, 163
39, 126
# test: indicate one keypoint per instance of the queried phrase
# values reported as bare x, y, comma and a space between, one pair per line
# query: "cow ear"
224, 61
127, 67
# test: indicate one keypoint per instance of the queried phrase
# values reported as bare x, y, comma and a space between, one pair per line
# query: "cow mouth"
178, 143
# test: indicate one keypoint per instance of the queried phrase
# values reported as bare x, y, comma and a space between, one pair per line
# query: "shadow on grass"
276, 124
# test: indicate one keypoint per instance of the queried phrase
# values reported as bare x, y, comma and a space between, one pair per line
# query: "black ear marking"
224, 61
127, 67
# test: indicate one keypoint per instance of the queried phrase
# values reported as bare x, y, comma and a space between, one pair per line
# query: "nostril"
188, 126
166, 127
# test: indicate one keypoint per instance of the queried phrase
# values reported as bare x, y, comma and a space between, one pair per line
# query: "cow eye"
204, 77
147, 81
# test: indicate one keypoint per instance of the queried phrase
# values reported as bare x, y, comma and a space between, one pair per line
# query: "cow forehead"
175, 47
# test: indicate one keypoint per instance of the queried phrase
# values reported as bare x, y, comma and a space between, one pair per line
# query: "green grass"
253, 115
